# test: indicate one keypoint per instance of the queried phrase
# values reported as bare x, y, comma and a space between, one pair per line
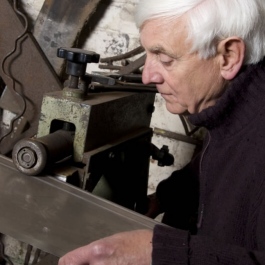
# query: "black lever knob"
77, 59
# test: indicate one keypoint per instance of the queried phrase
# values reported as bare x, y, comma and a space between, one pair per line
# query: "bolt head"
26, 157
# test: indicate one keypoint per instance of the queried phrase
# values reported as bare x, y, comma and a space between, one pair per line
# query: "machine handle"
78, 55
76, 61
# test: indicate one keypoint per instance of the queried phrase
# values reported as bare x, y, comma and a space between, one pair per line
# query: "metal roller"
31, 156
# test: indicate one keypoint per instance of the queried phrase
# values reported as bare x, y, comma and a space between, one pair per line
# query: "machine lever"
76, 61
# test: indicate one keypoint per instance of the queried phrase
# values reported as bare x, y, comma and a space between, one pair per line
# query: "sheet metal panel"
55, 216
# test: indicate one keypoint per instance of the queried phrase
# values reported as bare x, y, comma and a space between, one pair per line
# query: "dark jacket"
225, 185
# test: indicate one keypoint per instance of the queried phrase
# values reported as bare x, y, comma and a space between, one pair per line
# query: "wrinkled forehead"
159, 36
163, 30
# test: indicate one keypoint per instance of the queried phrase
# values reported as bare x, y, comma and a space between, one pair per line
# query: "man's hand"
127, 248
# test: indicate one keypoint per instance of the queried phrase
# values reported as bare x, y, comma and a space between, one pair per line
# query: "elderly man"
206, 59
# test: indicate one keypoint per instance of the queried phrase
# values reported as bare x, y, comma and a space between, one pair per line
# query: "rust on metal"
130, 66
29, 68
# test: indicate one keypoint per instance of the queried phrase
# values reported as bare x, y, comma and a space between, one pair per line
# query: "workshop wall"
114, 34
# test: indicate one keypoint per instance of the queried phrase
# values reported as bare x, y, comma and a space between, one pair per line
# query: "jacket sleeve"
173, 247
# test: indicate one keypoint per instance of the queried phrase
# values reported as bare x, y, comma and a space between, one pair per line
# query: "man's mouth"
165, 94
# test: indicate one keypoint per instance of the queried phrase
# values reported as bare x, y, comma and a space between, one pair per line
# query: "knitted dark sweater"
231, 176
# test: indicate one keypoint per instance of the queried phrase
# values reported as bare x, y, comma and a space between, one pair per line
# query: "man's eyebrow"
157, 49
161, 49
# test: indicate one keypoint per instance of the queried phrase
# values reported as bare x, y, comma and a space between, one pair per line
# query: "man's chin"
177, 109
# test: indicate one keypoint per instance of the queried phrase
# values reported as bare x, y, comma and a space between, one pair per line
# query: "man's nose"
151, 73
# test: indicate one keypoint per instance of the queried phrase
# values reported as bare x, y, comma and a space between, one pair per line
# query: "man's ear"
232, 54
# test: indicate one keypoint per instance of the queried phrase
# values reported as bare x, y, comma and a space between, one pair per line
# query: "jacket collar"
243, 99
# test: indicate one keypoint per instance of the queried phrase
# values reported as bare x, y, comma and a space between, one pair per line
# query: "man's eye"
165, 59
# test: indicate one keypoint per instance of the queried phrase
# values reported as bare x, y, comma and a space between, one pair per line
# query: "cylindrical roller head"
29, 156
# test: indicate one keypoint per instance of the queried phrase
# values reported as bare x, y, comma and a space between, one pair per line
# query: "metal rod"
177, 136
129, 54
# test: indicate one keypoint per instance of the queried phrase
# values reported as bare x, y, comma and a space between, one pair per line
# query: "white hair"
210, 21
